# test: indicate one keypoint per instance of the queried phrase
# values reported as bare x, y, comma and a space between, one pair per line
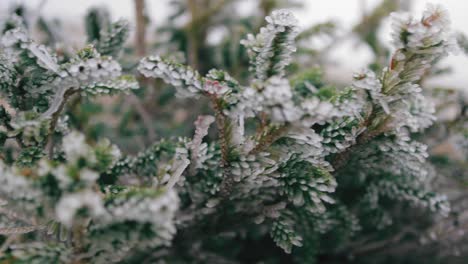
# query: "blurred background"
347, 56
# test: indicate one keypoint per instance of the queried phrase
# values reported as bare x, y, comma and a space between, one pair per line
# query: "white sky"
349, 56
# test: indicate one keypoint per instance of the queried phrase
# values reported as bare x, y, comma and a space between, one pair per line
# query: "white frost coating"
202, 124
429, 35
282, 18
263, 47
367, 80
238, 130
186, 81
429, 38
44, 58
112, 86
179, 164
111, 149
144, 209
112, 39
71, 203
278, 99
16, 186
214, 88
14, 36
56, 102
74, 146
88, 176
94, 76
306, 145
338, 137
19, 36
317, 111
275, 98
155, 209
61, 175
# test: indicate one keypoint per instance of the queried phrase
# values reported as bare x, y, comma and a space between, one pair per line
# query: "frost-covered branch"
294, 161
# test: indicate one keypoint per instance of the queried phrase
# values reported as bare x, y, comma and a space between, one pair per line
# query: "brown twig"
53, 123
342, 158
268, 139
145, 116
192, 35
140, 47
140, 36
7, 243
17, 216
382, 244
197, 25
19, 230
78, 232
228, 181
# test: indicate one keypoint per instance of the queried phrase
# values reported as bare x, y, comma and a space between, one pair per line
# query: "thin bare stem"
140, 47
192, 35
145, 116
268, 139
19, 230
140, 36
7, 243
228, 181
53, 123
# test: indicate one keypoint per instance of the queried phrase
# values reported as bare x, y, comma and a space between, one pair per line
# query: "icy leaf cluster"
187, 82
270, 51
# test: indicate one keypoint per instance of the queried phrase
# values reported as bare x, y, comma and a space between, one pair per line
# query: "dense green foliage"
111, 158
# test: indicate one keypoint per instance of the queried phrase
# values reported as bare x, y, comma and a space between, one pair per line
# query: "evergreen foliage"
281, 166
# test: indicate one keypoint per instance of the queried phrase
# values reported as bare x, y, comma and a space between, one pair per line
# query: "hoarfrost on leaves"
270, 51
287, 155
